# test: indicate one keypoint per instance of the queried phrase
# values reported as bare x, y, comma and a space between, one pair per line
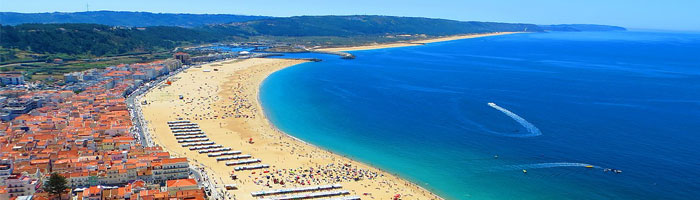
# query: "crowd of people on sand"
334, 173
318, 175
208, 107
241, 107
327, 174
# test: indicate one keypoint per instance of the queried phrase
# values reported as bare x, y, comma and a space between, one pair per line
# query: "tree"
56, 185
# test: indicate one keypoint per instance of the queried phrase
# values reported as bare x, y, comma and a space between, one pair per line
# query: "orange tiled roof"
181, 183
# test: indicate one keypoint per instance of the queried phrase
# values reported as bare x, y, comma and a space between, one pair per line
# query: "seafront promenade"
133, 103
142, 134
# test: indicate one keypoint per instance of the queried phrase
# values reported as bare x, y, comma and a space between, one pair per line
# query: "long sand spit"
222, 98
413, 43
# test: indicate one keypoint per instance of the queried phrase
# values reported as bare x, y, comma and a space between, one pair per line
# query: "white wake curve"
531, 128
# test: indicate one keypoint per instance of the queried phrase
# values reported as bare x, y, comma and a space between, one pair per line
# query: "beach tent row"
206, 147
193, 140
179, 122
183, 127
185, 124
232, 157
197, 144
344, 198
251, 167
226, 153
186, 130
215, 150
189, 133
310, 195
190, 137
296, 190
242, 162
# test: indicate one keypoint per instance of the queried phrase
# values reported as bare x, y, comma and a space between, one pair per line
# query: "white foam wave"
531, 128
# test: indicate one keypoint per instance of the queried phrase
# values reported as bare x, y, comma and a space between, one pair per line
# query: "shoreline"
240, 81
207, 102
343, 155
412, 43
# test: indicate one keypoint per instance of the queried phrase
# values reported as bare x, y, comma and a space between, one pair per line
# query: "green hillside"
98, 40
101, 40
348, 26
122, 18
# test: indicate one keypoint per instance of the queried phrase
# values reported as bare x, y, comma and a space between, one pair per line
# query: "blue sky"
647, 14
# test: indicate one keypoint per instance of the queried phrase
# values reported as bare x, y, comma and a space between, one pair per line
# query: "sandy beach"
413, 43
223, 99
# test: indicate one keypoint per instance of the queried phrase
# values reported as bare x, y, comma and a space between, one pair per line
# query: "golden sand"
225, 105
413, 43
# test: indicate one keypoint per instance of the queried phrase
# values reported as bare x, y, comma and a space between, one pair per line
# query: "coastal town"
85, 131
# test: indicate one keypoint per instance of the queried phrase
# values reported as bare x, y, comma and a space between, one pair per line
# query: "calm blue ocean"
620, 100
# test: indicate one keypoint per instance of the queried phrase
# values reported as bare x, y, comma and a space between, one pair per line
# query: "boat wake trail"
531, 128
549, 165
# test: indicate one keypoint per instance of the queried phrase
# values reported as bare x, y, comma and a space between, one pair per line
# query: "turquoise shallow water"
622, 100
